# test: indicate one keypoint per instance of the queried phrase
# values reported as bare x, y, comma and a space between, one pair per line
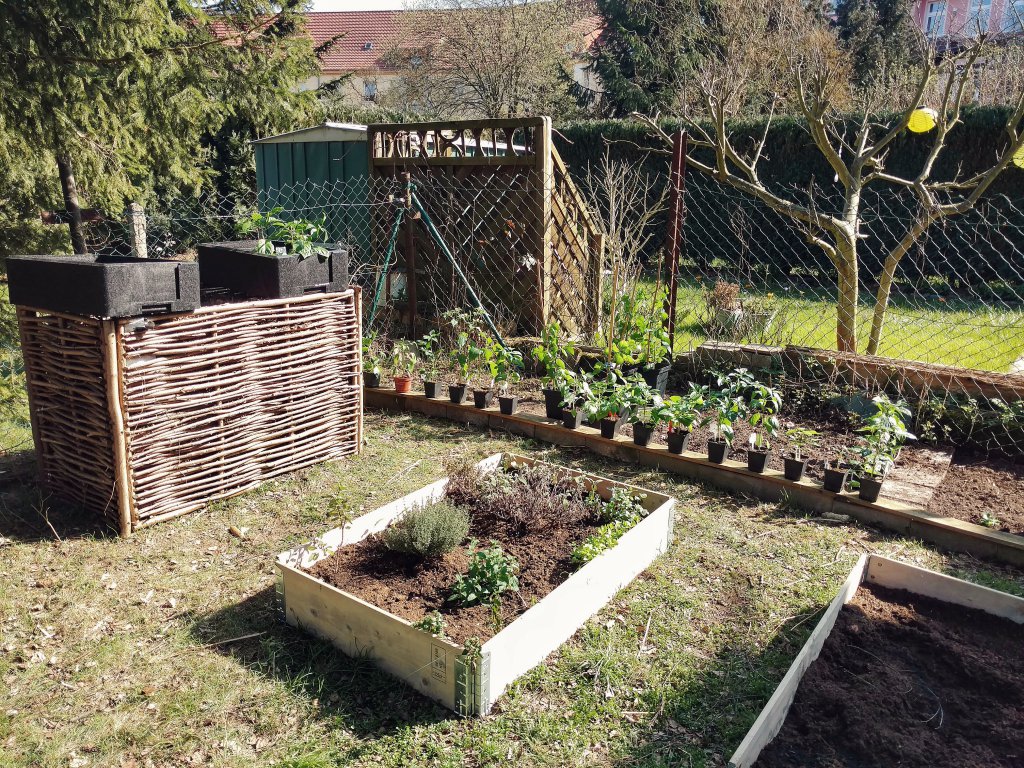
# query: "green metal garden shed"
323, 170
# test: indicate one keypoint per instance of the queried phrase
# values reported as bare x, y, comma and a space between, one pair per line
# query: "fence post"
136, 216
677, 182
410, 254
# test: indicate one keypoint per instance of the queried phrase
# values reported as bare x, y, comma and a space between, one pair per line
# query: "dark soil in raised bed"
908, 681
410, 588
974, 485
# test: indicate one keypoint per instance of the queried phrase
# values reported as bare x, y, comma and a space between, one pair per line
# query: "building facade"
968, 18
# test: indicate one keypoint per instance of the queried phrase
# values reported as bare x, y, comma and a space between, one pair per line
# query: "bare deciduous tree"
488, 58
779, 49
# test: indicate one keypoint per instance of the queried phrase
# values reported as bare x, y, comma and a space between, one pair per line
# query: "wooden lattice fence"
146, 419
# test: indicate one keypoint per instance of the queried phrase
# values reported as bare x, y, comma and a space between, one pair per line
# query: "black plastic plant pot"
482, 398
678, 440
507, 404
457, 393
103, 286
610, 428
717, 450
870, 488
552, 403
757, 460
657, 378
794, 469
835, 480
430, 388
643, 434
571, 419
237, 269
371, 379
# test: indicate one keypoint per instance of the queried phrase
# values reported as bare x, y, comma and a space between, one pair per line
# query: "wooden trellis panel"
144, 420
536, 210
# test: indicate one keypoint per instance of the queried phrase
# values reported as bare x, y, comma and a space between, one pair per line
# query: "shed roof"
327, 131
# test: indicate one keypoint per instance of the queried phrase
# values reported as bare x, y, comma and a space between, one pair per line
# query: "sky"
357, 5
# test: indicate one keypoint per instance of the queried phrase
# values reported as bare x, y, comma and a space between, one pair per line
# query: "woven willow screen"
146, 419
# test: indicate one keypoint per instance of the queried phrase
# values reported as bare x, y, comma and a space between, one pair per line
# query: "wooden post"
28, 355
410, 255
677, 180
112, 378
135, 214
546, 174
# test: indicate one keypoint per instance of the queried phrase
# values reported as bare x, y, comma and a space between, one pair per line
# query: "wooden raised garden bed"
952, 534
145, 419
456, 675
913, 668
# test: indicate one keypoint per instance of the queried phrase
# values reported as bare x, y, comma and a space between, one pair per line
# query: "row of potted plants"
620, 391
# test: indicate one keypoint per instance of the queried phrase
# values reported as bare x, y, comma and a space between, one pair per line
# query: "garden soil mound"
907, 681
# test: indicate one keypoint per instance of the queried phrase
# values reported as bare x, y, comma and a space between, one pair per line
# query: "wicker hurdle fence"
147, 419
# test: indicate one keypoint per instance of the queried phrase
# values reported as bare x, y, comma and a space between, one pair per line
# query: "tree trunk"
71, 205
888, 274
848, 293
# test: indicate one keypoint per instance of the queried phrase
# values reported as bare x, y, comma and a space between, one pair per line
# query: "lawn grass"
112, 650
969, 336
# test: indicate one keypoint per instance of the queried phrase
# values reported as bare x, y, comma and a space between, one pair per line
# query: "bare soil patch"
410, 588
908, 681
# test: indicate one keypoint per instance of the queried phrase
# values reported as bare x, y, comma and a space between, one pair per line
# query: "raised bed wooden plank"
887, 573
436, 667
908, 519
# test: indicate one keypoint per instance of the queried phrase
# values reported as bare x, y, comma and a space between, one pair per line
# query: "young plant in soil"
837, 470
432, 624
574, 393
296, 237
551, 354
371, 360
491, 572
799, 439
508, 367
728, 406
763, 404
403, 365
680, 412
428, 531
883, 435
608, 404
640, 400
429, 348
464, 356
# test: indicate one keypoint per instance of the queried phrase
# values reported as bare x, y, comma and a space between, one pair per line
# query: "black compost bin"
236, 268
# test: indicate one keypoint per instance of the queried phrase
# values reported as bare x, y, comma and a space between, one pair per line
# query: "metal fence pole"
677, 182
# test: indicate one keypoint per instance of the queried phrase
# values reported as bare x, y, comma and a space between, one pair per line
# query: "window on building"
1013, 17
370, 90
935, 20
978, 17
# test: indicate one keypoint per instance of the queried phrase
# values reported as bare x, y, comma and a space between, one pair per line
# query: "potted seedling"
883, 435
403, 365
764, 404
429, 350
575, 392
463, 355
486, 357
800, 439
727, 407
371, 361
551, 354
680, 412
837, 470
281, 258
607, 405
508, 363
640, 400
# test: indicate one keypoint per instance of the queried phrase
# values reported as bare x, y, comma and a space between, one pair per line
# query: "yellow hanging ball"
1018, 157
922, 119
